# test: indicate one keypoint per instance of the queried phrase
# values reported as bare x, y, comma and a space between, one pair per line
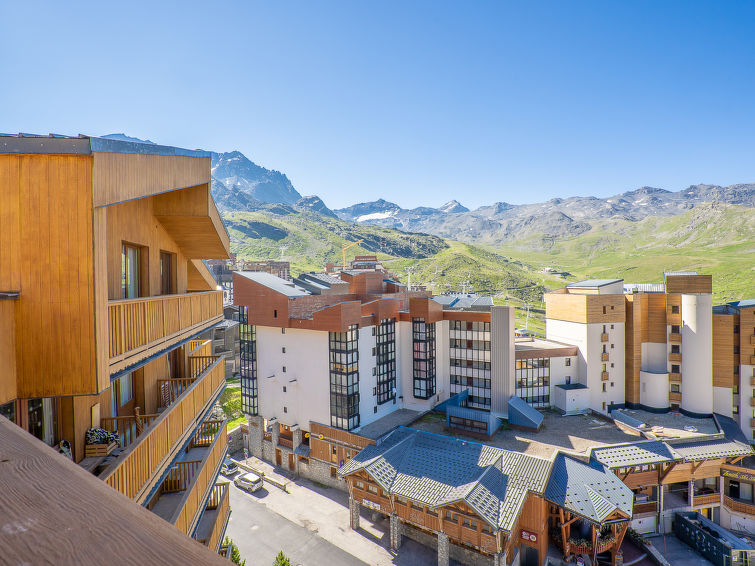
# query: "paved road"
261, 533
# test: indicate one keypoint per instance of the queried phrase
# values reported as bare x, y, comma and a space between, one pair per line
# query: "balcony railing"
675, 376
739, 505
216, 516
151, 451
706, 499
675, 337
604, 357
604, 337
138, 325
128, 428
645, 507
286, 442
752, 423
752, 339
752, 381
604, 376
752, 401
187, 515
674, 357
675, 397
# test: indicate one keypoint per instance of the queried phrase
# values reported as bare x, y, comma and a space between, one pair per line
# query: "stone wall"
458, 553
320, 472
235, 440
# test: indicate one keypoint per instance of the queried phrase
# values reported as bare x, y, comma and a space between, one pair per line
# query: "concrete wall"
306, 379
559, 371
722, 401
654, 389
737, 521
653, 357
697, 353
570, 401
746, 372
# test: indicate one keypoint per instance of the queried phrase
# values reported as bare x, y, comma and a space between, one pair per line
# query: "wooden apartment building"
103, 303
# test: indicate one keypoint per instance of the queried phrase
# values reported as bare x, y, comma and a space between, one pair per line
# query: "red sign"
531, 537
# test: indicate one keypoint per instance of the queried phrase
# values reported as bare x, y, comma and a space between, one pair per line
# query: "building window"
567, 362
567, 379
532, 381
9, 411
424, 371
674, 388
735, 389
674, 309
674, 329
344, 378
675, 349
604, 387
130, 271
285, 409
284, 389
275, 315
469, 351
735, 409
386, 360
248, 360
283, 350
736, 349
736, 329
125, 388
675, 368
284, 369
167, 273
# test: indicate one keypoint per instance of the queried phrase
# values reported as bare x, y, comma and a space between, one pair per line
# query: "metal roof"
678, 274
589, 490
592, 283
521, 414
644, 288
635, 454
746, 303
85, 145
696, 451
439, 470
275, 283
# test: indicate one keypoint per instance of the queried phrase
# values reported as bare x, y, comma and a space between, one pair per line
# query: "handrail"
128, 428
168, 390
131, 472
180, 475
185, 517
223, 506
138, 323
206, 432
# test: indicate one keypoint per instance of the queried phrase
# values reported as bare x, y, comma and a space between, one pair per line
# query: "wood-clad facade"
103, 299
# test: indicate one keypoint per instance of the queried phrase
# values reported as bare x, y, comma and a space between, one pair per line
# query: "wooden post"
594, 543
564, 537
138, 419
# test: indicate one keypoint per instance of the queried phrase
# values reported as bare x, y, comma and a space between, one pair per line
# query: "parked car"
229, 468
248, 481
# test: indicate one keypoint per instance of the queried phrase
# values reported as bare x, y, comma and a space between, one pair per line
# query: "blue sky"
415, 102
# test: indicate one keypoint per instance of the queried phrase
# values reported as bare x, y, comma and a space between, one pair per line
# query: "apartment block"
105, 311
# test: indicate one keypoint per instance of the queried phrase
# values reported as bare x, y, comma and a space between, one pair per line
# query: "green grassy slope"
310, 240
714, 239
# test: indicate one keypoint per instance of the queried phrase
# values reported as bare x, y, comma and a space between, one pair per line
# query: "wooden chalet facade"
104, 301
484, 504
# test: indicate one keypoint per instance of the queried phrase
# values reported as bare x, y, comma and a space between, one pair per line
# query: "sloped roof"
522, 414
275, 283
439, 470
695, 451
589, 490
592, 283
635, 454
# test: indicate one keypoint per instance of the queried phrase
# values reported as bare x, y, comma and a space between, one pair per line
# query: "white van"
248, 481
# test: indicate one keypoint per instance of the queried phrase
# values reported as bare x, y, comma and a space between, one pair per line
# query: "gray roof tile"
635, 454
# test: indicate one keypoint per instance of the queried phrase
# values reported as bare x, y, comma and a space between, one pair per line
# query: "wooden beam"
570, 521
664, 474
564, 537
629, 471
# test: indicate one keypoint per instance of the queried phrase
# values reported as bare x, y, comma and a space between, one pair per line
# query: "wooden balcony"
187, 515
675, 397
752, 360
604, 357
645, 507
141, 327
706, 499
675, 337
739, 506
675, 377
147, 456
752, 423
752, 401
604, 337
752, 381
214, 520
168, 390
675, 357
752, 339
604, 376
128, 428
285, 442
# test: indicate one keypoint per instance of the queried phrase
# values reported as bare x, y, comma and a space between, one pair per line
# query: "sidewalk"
325, 511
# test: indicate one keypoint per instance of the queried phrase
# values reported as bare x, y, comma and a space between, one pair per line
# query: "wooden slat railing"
168, 390
199, 347
186, 517
132, 471
206, 432
197, 364
739, 506
127, 428
180, 475
220, 499
136, 324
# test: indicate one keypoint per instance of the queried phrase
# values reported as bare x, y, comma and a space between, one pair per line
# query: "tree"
235, 554
282, 560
